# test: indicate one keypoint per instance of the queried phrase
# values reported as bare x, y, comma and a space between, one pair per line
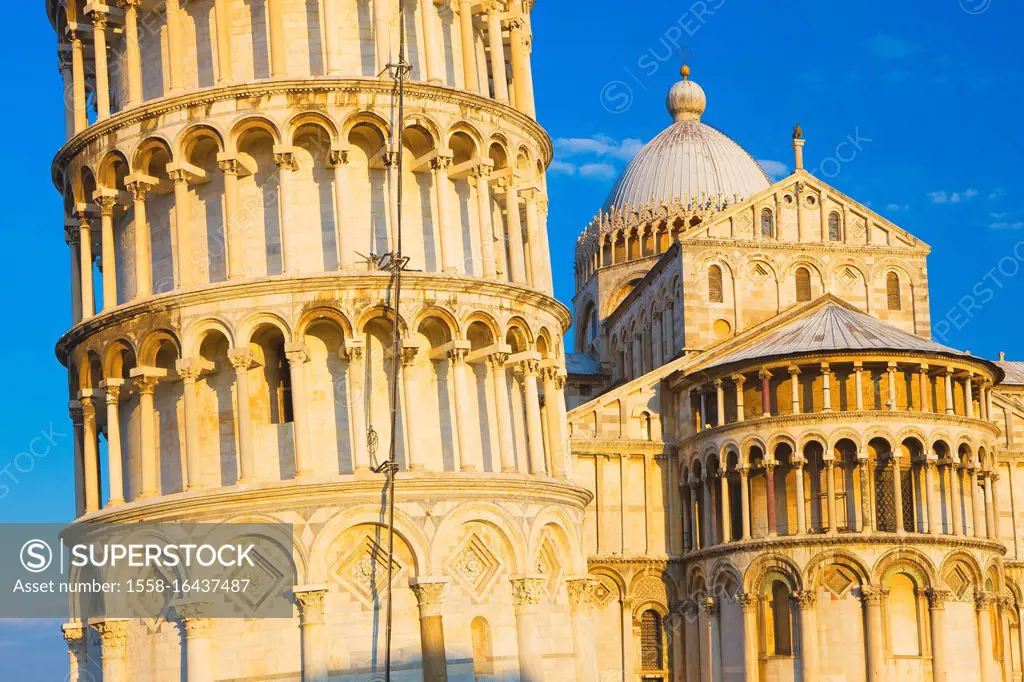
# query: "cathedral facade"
769, 471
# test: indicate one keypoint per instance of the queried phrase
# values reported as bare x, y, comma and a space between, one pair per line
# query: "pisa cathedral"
753, 465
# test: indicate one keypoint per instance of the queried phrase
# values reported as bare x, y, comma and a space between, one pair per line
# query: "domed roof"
687, 158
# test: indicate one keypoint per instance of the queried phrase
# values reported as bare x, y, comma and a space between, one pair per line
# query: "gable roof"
1014, 372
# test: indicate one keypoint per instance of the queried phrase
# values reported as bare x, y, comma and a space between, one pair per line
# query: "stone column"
113, 646
897, 491
794, 381
719, 403
990, 513
496, 363
826, 387
969, 395
554, 400
581, 606
190, 371
863, 464
429, 595
711, 651
937, 618
233, 236
108, 249
806, 602
934, 520
296, 354
78, 102
411, 392
745, 500
858, 369
766, 393
175, 53
143, 250
481, 179
241, 359
310, 601
891, 374
99, 36
90, 452
872, 597
78, 424
470, 455
710, 534
78, 651
356, 408
769, 473
381, 35
85, 250
112, 387
332, 35
693, 667
526, 599
522, 71
748, 602
539, 264
435, 68
286, 165
830, 488
198, 644
517, 253
183, 275
801, 506
472, 80
955, 483
983, 602
924, 384
739, 381
68, 81
698, 540
225, 75
950, 406
723, 502
278, 39
1006, 606
497, 43
131, 47
71, 239
977, 508
339, 160
451, 259
145, 384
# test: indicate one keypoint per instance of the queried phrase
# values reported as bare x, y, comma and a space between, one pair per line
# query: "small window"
483, 657
767, 223
651, 654
593, 324
803, 285
833, 227
892, 291
715, 293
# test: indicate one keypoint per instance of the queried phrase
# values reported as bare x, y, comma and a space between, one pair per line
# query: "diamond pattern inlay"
475, 567
364, 571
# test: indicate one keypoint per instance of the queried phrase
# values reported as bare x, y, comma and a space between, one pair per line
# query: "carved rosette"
429, 596
311, 606
527, 591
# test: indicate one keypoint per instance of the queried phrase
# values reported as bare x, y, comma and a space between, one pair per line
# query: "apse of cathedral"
754, 464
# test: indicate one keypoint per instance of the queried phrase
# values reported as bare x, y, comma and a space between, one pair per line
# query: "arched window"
803, 285
483, 657
645, 426
767, 223
715, 292
903, 615
892, 291
651, 653
780, 620
833, 227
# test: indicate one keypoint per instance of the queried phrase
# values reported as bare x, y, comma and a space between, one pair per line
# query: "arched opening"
778, 619
207, 241
260, 193
652, 650
270, 393
767, 223
368, 207
834, 230
216, 408
904, 615
327, 379
435, 435
803, 285
379, 369
715, 289
894, 300
880, 454
312, 229
484, 433
483, 656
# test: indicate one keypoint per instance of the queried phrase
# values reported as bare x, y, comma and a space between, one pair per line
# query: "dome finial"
686, 100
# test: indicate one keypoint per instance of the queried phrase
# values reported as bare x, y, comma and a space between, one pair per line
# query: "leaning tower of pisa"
230, 170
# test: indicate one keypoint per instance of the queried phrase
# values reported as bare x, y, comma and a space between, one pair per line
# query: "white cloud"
897, 207
998, 216
1003, 225
888, 46
562, 167
601, 171
944, 197
997, 193
600, 146
776, 170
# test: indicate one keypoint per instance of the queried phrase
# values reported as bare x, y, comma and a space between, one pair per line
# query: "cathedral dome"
687, 158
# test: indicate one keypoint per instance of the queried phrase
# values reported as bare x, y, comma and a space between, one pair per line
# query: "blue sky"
931, 88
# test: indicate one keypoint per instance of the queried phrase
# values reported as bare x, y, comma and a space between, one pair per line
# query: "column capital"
937, 598
793, 370
189, 370
430, 595
804, 599
284, 157
310, 600
64, 60
241, 358
529, 367
72, 236
717, 383
738, 379
497, 360
87, 399
112, 388
113, 637
339, 156
457, 356
75, 635
76, 414
409, 355
527, 591
178, 175
441, 163
193, 619
983, 600
764, 373
126, 4
106, 202
710, 606
146, 378
296, 353
581, 593
98, 14
871, 594
747, 601
229, 166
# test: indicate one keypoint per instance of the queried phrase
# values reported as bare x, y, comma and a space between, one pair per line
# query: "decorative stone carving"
582, 593
430, 596
527, 591
311, 605
870, 594
474, 566
937, 598
113, 637
364, 571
